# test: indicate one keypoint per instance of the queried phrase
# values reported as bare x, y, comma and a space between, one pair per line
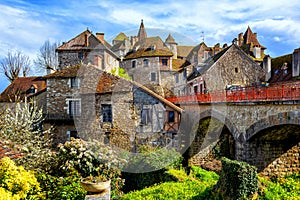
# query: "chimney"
86, 40
100, 37
241, 39
255, 35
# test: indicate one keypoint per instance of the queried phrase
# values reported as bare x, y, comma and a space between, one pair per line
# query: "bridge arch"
275, 150
290, 117
212, 140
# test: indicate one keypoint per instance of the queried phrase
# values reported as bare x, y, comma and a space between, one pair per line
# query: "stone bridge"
265, 134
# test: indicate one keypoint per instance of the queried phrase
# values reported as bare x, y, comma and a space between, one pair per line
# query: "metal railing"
288, 91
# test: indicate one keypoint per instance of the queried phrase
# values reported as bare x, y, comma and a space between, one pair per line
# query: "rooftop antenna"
202, 36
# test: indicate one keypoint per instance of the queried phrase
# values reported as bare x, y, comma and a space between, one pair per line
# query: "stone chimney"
86, 40
240, 39
100, 37
255, 35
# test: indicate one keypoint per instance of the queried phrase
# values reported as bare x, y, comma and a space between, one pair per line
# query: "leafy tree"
47, 58
119, 71
14, 64
21, 125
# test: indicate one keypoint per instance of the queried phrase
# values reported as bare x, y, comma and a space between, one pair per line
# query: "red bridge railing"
276, 92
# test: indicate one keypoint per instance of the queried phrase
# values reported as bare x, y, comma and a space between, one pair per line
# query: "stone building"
25, 89
87, 48
155, 63
296, 63
231, 66
83, 101
249, 43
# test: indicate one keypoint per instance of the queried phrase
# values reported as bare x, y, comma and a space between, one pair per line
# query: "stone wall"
141, 73
233, 68
274, 150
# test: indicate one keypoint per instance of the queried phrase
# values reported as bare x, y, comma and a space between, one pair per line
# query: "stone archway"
212, 141
275, 150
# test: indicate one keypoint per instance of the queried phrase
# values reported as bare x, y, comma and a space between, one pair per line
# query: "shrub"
16, 181
149, 168
23, 127
280, 188
203, 175
60, 188
238, 180
186, 187
92, 159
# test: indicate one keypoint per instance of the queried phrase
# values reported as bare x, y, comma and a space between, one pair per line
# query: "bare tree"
14, 64
47, 57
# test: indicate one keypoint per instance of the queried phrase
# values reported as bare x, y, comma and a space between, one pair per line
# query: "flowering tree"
22, 126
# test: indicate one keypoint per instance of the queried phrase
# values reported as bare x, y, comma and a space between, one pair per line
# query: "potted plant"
95, 184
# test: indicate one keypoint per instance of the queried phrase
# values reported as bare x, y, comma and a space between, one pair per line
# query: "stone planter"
97, 187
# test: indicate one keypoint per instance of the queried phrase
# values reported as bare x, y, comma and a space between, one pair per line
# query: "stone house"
87, 48
153, 62
83, 101
25, 89
231, 66
249, 43
296, 63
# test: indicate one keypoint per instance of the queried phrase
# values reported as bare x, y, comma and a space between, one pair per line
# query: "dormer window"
152, 47
32, 89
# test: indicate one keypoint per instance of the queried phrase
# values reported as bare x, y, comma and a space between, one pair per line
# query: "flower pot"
96, 187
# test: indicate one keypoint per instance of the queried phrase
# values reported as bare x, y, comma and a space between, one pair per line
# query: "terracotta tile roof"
184, 51
148, 53
250, 37
6, 150
179, 64
83, 41
21, 88
65, 73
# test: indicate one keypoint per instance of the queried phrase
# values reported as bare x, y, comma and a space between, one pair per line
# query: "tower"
142, 32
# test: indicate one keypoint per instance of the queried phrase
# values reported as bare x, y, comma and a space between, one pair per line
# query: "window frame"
173, 117
146, 62
133, 64
74, 111
106, 113
74, 82
163, 60
153, 76
146, 117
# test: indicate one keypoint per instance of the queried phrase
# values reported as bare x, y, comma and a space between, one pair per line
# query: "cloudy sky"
26, 24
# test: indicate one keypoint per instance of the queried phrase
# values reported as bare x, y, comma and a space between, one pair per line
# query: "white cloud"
277, 39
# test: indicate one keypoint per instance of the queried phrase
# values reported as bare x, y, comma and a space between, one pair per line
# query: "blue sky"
26, 25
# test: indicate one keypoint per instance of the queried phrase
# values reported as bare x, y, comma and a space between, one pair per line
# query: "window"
146, 116
236, 70
74, 108
80, 56
106, 112
184, 75
171, 116
72, 134
74, 82
153, 76
133, 64
164, 62
146, 62
177, 78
